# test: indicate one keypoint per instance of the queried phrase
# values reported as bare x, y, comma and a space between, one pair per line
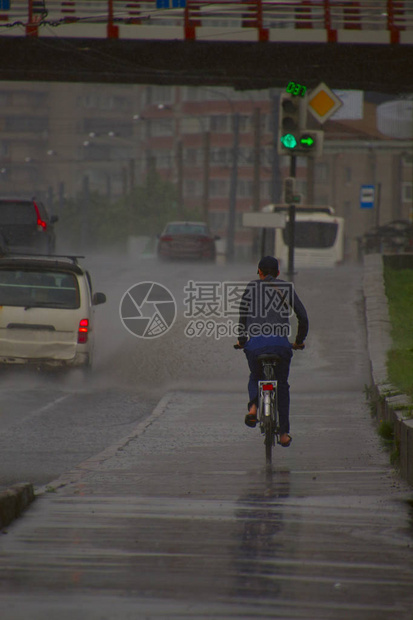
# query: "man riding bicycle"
265, 327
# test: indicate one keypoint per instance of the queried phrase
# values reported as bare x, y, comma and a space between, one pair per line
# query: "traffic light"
289, 190
290, 196
292, 118
310, 143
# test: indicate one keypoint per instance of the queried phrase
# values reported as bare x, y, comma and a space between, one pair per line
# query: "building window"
267, 154
223, 94
347, 209
244, 188
96, 152
192, 93
163, 158
407, 193
266, 188
301, 187
218, 123
220, 156
26, 124
4, 148
5, 98
192, 124
191, 157
192, 189
321, 173
159, 94
246, 155
244, 123
218, 220
157, 128
218, 188
407, 159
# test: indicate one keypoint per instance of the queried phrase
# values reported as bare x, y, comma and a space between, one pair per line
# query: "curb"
388, 402
14, 501
93, 463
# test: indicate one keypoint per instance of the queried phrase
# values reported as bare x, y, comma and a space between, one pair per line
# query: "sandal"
251, 420
286, 444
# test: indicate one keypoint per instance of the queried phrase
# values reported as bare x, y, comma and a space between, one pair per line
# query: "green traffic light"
307, 141
288, 141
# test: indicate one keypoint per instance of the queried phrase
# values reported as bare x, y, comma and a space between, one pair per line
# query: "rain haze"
153, 498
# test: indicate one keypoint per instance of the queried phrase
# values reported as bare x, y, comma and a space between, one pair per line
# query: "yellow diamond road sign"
322, 103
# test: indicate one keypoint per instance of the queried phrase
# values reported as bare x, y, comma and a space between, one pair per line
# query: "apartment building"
218, 145
57, 138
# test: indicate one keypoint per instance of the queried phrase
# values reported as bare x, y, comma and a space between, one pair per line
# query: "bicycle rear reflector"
267, 387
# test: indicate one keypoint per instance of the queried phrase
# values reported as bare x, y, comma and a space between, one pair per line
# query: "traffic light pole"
291, 225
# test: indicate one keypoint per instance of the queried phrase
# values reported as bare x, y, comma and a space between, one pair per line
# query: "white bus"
319, 237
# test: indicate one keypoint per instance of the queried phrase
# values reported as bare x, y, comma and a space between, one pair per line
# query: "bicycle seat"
269, 357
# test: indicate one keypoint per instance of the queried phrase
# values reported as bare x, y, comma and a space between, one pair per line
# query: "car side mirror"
54, 219
98, 298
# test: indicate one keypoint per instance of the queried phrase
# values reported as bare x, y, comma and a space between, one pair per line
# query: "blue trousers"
283, 370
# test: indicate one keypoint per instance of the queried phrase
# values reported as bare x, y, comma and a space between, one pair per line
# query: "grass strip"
399, 291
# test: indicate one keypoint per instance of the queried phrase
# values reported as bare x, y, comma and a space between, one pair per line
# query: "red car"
187, 240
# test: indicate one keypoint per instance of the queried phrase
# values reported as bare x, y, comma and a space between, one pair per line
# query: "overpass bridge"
241, 43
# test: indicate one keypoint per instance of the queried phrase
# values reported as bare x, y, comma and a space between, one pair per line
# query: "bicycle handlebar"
237, 346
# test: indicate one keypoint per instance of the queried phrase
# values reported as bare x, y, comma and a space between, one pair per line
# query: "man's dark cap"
268, 263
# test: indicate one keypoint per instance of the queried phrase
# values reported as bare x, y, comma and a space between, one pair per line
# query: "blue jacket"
265, 310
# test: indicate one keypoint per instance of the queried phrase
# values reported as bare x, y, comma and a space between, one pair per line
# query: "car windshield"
186, 229
38, 289
313, 234
17, 212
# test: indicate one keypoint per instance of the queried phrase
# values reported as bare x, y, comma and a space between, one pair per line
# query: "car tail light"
82, 334
268, 387
41, 224
166, 238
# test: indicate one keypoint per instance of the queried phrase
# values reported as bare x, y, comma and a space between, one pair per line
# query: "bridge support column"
112, 30
31, 26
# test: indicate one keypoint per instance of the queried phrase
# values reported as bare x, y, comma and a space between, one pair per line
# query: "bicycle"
267, 404
267, 413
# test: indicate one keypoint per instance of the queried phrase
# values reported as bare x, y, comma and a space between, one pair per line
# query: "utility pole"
205, 179
233, 190
256, 202
310, 180
291, 225
180, 177
275, 164
85, 212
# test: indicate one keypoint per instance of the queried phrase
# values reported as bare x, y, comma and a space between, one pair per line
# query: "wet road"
182, 520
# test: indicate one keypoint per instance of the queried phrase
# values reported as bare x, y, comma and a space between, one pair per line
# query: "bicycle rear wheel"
268, 440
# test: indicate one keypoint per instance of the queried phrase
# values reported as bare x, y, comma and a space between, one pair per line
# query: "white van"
46, 311
319, 237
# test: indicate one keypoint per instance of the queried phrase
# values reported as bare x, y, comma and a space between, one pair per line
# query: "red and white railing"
366, 21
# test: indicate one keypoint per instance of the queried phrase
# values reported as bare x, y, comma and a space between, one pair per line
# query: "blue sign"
5, 5
168, 4
367, 197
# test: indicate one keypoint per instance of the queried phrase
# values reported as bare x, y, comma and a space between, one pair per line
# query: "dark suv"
25, 226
